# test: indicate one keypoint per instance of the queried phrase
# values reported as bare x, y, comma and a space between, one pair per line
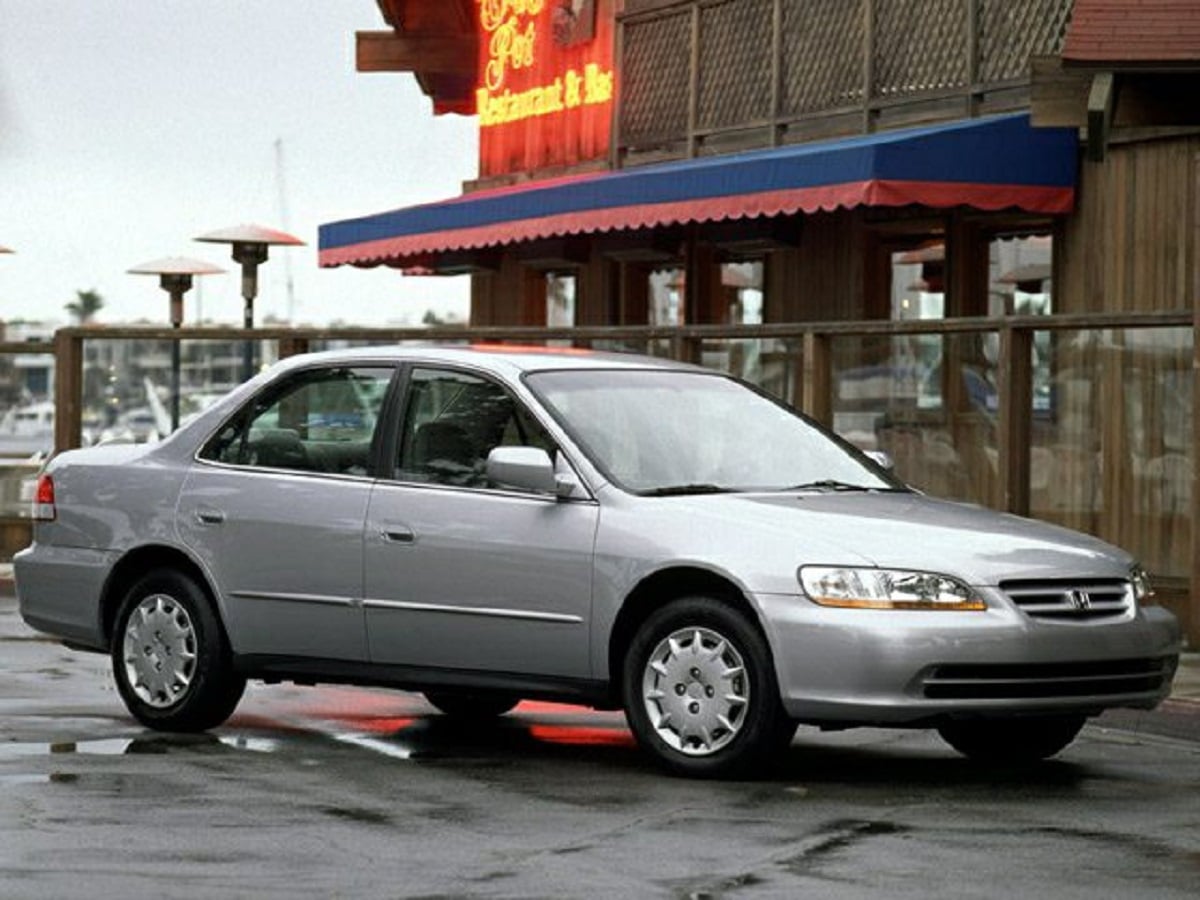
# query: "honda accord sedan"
487, 524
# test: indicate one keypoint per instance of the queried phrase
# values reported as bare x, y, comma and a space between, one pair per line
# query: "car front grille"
1070, 601
1023, 681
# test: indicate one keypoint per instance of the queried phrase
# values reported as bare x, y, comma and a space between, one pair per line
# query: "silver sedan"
493, 523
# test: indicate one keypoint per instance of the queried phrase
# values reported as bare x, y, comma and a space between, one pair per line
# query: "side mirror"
525, 469
881, 458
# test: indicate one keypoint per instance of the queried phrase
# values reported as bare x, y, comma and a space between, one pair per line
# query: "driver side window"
453, 420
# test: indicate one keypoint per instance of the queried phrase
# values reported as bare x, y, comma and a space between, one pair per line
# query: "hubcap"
696, 691
159, 651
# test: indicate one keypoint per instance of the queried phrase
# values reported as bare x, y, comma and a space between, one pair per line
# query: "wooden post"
971, 43
817, 395
868, 64
1016, 407
685, 348
615, 159
292, 346
1191, 621
694, 85
776, 70
68, 390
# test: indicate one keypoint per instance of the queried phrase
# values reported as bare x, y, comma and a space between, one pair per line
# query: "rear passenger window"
321, 420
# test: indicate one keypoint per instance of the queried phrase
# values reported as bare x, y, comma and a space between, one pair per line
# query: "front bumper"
872, 667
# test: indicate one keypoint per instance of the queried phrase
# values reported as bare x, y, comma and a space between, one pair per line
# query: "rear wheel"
1018, 739
700, 690
170, 658
472, 704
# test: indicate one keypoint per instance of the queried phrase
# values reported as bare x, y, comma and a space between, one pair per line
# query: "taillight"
43, 499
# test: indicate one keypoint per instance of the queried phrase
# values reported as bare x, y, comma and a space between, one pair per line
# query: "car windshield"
680, 432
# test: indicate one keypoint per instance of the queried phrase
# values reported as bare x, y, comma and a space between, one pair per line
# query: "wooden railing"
813, 377
808, 368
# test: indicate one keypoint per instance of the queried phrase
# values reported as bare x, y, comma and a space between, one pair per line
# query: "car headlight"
866, 588
1142, 589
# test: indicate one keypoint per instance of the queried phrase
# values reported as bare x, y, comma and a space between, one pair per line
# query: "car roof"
509, 359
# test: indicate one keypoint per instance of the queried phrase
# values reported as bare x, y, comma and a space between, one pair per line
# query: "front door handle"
209, 516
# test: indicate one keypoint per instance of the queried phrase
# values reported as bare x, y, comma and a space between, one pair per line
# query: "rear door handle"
208, 516
398, 534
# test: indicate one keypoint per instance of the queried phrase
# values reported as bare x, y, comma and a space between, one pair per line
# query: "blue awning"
991, 164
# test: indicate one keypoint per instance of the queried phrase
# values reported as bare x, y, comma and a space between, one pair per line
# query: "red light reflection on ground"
544, 707
581, 735
386, 713
374, 724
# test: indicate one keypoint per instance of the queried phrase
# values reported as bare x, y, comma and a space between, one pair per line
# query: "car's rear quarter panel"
108, 501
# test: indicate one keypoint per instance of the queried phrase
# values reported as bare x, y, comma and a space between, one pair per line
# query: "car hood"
909, 530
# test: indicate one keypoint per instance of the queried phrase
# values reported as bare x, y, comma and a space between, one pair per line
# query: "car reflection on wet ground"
334, 791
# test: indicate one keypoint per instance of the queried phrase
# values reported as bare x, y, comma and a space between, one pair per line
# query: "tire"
716, 715
170, 657
1018, 739
472, 705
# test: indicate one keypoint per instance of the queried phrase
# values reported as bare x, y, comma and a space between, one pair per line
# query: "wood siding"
1129, 244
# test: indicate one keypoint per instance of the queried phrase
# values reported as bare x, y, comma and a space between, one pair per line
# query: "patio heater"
250, 244
175, 275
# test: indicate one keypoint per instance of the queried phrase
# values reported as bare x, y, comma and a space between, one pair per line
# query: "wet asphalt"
339, 792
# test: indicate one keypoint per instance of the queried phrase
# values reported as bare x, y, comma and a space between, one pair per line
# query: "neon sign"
511, 31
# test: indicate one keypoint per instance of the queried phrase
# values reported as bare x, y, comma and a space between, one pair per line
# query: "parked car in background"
495, 523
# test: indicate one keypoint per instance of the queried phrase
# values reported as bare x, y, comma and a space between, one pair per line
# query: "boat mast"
285, 223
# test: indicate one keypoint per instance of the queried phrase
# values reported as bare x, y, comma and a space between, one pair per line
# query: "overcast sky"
128, 127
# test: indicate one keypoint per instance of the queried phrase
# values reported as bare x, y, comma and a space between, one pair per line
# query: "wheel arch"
660, 588
136, 563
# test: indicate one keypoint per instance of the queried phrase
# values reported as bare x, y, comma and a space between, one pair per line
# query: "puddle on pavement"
52, 778
375, 745
253, 744
154, 744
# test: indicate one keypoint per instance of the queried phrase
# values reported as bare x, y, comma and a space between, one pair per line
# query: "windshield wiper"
675, 490
829, 484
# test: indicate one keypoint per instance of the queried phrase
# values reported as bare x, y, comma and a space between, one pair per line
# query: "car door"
275, 505
460, 574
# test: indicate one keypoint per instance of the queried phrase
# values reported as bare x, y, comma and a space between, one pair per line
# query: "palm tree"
85, 306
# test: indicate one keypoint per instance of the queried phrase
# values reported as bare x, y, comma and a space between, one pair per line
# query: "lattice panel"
655, 73
735, 67
822, 61
919, 46
1011, 31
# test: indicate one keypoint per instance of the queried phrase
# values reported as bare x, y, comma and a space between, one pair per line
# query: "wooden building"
957, 164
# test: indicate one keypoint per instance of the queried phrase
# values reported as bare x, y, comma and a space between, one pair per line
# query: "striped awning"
994, 163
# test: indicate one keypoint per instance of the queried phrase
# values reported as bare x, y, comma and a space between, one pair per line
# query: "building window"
1019, 275
742, 286
560, 299
1019, 284
919, 292
666, 292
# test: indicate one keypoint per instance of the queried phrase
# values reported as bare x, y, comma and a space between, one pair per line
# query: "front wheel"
1018, 739
170, 657
700, 690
